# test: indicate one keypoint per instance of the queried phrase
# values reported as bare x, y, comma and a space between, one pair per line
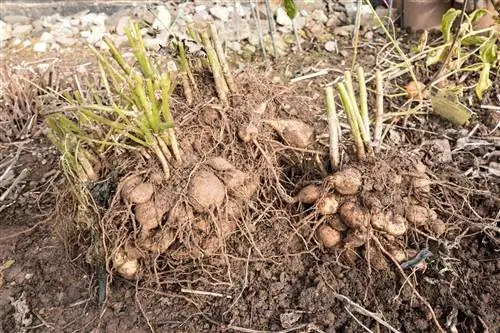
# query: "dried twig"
333, 127
379, 111
202, 292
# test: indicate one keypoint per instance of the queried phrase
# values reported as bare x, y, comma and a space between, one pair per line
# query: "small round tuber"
354, 216
140, 193
379, 220
421, 185
438, 227
396, 225
328, 236
309, 194
125, 265
417, 214
327, 205
347, 182
337, 224
206, 191
355, 238
147, 216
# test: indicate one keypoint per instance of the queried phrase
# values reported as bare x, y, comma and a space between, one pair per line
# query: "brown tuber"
393, 224
206, 191
337, 224
141, 193
147, 216
421, 185
417, 214
354, 216
328, 236
309, 194
347, 182
327, 205
126, 265
438, 227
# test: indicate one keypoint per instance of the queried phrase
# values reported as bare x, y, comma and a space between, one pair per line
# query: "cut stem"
220, 82
331, 113
351, 118
222, 57
379, 112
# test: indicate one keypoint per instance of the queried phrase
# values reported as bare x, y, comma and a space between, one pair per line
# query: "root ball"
206, 191
347, 182
328, 236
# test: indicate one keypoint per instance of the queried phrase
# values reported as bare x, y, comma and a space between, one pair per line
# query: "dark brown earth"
271, 278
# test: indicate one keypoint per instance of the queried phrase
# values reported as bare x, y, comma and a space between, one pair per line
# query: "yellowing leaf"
484, 82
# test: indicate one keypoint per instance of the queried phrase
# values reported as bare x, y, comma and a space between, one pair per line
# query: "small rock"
122, 23
40, 47
16, 19
95, 34
369, 35
219, 12
47, 37
163, 19
22, 30
344, 31
93, 19
300, 22
331, 46
200, 8
234, 46
151, 43
65, 41
319, 15
5, 31
282, 17
289, 319
75, 22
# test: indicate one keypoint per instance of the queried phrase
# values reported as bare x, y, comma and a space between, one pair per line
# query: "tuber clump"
206, 191
417, 214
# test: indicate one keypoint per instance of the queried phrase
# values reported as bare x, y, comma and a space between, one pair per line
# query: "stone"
369, 35
49, 21
122, 23
22, 30
152, 43
47, 37
344, 31
282, 17
300, 22
64, 28
65, 41
220, 12
5, 31
200, 9
163, 19
16, 19
234, 46
93, 19
319, 15
40, 47
244, 32
331, 46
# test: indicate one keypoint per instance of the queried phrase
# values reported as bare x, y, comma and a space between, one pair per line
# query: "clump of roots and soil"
189, 185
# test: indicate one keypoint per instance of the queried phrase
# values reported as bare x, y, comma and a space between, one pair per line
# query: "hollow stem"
220, 82
379, 112
331, 113
222, 57
353, 123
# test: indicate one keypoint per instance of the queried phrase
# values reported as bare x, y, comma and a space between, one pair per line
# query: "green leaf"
437, 56
488, 52
484, 82
473, 40
290, 8
447, 22
476, 15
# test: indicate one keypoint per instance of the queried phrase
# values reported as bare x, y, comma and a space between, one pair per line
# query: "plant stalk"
333, 126
379, 112
353, 123
220, 82
222, 57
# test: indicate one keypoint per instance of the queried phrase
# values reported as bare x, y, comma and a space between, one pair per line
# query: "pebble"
344, 31
220, 12
93, 19
319, 15
40, 47
331, 46
163, 19
5, 31
369, 35
65, 41
16, 19
22, 30
152, 43
282, 17
47, 37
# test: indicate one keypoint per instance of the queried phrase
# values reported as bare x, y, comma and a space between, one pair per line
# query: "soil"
272, 275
